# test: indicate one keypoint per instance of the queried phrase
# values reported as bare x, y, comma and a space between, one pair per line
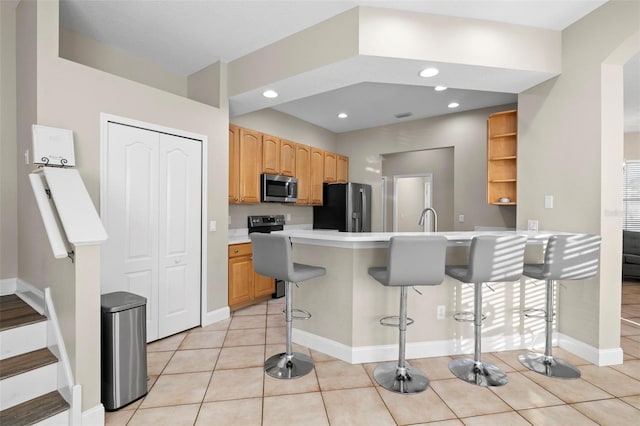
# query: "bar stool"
492, 258
567, 257
415, 260
272, 257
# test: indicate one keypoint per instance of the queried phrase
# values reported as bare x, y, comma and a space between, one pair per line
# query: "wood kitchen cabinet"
245, 164
246, 287
342, 168
316, 176
271, 155
502, 151
303, 173
330, 166
287, 158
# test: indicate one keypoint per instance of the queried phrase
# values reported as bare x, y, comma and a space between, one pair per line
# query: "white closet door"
130, 255
152, 216
179, 223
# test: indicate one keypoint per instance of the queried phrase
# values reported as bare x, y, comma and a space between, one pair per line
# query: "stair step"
34, 410
14, 312
26, 362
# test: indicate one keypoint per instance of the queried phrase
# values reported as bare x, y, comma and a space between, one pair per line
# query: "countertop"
380, 239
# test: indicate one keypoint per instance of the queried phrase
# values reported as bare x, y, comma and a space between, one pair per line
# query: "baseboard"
8, 286
93, 416
33, 296
215, 316
380, 353
599, 357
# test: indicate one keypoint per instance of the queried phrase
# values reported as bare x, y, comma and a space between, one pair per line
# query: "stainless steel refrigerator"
346, 207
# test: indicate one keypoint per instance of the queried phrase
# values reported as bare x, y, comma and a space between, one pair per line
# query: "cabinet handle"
236, 251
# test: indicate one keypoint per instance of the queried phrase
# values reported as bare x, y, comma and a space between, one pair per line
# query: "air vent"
403, 115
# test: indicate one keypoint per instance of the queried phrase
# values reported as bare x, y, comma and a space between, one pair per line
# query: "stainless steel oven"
279, 189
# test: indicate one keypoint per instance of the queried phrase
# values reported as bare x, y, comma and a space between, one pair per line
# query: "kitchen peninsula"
346, 304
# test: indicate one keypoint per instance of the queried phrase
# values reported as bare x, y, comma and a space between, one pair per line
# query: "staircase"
28, 370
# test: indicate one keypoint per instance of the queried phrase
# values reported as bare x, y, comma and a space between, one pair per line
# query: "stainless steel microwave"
279, 189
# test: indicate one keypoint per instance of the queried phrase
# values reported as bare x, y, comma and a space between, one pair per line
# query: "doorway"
411, 195
151, 206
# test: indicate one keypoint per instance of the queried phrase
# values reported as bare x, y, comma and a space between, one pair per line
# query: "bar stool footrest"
467, 316
535, 313
303, 315
394, 321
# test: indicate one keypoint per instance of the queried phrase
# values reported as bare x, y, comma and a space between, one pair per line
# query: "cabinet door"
303, 170
329, 166
234, 164
316, 176
270, 154
287, 158
240, 280
263, 286
250, 166
342, 169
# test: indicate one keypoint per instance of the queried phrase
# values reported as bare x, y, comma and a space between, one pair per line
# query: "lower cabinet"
246, 287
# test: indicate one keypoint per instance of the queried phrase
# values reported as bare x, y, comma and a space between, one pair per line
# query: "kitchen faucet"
435, 218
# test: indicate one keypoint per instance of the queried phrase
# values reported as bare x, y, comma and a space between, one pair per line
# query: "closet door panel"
179, 234
130, 254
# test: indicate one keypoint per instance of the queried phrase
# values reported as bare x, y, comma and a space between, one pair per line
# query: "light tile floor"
214, 376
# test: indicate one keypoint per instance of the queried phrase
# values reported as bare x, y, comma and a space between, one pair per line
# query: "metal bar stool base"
486, 375
282, 366
549, 366
387, 376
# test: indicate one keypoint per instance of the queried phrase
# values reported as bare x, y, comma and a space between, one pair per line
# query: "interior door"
152, 215
179, 200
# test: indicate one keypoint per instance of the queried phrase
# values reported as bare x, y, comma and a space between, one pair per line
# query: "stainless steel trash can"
124, 348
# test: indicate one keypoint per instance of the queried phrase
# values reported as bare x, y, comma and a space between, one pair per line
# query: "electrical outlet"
532, 224
440, 312
460, 218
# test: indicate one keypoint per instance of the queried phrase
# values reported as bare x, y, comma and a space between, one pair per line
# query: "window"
631, 195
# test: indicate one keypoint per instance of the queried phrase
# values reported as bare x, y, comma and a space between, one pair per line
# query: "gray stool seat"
492, 258
273, 257
412, 261
567, 257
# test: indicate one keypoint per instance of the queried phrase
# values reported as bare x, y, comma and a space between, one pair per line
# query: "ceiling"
184, 36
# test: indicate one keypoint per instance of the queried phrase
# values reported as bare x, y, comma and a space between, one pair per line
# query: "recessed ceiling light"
270, 94
403, 115
343, 115
429, 72
440, 88
453, 105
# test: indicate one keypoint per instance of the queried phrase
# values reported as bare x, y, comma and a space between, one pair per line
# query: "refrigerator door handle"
363, 196
355, 222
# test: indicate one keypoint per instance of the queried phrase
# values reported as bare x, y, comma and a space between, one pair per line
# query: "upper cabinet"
245, 164
316, 176
288, 158
303, 173
502, 160
252, 153
342, 168
330, 166
270, 154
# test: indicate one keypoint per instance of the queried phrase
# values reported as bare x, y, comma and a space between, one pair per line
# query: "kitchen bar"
346, 304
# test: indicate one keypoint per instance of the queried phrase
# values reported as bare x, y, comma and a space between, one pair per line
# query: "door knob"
176, 261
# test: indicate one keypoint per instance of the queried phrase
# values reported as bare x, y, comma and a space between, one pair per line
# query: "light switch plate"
213, 226
532, 224
548, 201
460, 218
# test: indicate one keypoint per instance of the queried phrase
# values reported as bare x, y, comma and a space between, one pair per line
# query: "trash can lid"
121, 301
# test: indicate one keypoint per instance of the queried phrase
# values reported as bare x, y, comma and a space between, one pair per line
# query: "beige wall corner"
8, 146
209, 85
565, 126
